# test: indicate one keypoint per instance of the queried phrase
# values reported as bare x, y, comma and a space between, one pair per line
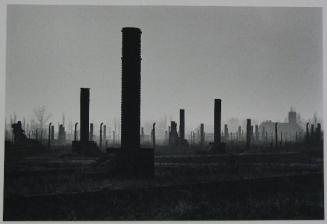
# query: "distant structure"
291, 128
202, 134
263, 135
173, 135
182, 140
217, 145
52, 133
21, 141
113, 137
318, 133
312, 130
292, 116
49, 135
61, 134
84, 146
104, 135
307, 135
182, 124
75, 131
276, 134
248, 133
314, 135
226, 136
153, 135
217, 122
166, 141
256, 133
239, 133
100, 143
19, 133
84, 114
192, 137
252, 133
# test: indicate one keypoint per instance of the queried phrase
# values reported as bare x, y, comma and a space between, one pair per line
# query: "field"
189, 184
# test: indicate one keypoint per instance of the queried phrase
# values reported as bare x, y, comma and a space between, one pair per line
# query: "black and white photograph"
149, 112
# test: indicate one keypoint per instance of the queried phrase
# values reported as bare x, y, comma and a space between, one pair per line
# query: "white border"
256, 3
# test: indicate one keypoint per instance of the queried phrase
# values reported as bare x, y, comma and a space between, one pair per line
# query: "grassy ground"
53, 185
272, 198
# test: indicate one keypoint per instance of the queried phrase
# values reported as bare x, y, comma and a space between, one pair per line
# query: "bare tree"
42, 117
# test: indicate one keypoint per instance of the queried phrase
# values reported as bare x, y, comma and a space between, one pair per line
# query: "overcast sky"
259, 61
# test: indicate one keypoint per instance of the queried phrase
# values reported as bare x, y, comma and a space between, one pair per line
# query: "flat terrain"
188, 184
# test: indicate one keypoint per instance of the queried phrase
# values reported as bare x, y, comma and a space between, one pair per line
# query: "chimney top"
131, 29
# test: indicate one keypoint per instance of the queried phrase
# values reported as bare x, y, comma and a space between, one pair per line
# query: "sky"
259, 61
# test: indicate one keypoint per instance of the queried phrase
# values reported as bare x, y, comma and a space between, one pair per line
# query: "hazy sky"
259, 61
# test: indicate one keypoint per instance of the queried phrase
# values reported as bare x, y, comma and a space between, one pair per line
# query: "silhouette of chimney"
49, 138
307, 132
202, 134
217, 121
226, 132
153, 134
101, 135
182, 124
131, 88
104, 135
75, 131
276, 134
52, 133
248, 133
84, 116
173, 136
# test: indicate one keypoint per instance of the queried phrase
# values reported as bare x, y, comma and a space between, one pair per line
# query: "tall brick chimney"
84, 114
131, 88
217, 121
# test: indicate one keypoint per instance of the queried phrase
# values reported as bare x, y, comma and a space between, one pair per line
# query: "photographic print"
163, 112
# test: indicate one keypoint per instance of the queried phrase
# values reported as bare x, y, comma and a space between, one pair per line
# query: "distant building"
290, 131
61, 134
18, 133
173, 135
